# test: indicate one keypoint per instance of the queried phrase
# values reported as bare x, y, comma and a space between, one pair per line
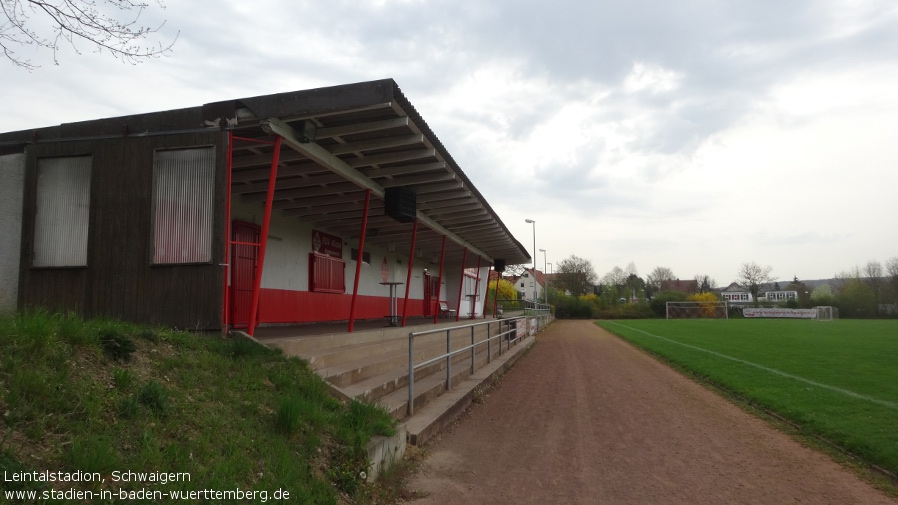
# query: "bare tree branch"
80, 20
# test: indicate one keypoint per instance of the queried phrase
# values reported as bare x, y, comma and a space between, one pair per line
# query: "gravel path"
587, 418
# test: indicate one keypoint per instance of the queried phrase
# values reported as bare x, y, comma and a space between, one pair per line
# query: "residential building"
735, 293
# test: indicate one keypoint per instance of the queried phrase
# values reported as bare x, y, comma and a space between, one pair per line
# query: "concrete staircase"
372, 366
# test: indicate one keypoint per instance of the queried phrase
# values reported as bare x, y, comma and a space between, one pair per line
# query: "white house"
778, 296
736, 294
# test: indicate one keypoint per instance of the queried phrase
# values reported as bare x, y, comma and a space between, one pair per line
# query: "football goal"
827, 313
697, 310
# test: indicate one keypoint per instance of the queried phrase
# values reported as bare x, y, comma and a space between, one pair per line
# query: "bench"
444, 309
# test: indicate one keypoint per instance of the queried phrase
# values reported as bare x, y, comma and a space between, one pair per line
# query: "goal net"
697, 310
827, 313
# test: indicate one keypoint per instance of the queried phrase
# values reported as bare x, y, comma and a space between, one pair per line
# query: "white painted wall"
12, 183
287, 260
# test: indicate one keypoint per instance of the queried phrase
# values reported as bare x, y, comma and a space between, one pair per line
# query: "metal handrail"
449, 354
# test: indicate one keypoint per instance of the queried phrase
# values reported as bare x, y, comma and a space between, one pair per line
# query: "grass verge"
226, 414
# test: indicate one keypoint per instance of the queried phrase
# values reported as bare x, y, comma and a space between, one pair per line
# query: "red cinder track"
587, 418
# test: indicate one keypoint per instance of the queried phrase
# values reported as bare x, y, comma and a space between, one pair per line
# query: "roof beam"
339, 131
380, 159
321, 156
289, 182
405, 169
310, 191
381, 143
417, 179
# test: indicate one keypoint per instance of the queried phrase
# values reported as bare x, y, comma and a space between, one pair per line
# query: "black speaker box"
400, 204
499, 265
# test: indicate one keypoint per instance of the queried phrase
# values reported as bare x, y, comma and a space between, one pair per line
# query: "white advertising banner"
795, 313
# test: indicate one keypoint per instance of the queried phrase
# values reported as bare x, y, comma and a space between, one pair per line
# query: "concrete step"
427, 386
429, 419
296, 345
345, 366
359, 352
376, 387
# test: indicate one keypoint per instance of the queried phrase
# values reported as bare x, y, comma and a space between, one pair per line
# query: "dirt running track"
587, 418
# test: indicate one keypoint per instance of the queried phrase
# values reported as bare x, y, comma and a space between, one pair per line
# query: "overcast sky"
695, 135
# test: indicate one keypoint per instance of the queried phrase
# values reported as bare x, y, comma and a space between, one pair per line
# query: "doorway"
244, 258
431, 287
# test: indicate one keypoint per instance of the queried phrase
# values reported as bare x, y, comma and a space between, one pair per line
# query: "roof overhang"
339, 142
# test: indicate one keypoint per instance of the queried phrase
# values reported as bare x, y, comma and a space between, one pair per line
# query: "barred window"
183, 184
62, 212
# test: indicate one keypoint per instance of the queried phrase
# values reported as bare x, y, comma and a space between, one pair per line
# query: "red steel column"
358, 262
461, 284
496, 295
436, 313
227, 237
476, 291
408, 278
263, 236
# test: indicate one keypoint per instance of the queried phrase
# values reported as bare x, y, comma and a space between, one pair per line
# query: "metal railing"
510, 330
527, 307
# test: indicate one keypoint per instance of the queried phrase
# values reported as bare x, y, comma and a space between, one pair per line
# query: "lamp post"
547, 282
534, 256
545, 297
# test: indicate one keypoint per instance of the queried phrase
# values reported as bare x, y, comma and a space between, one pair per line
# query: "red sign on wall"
325, 243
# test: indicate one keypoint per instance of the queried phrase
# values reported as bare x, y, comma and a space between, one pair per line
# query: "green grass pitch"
835, 379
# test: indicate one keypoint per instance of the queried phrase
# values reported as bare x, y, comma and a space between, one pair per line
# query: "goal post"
826, 313
697, 310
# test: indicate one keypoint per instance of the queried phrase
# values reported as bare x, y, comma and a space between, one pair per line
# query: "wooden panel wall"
119, 280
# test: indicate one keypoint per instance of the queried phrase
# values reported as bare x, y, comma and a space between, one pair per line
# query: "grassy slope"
851, 355
101, 396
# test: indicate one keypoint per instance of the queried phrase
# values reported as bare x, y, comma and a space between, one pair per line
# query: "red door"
428, 295
431, 286
243, 271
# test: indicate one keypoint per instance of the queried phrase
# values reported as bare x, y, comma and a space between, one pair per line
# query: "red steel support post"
263, 236
461, 284
436, 313
358, 261
496, 295
408, 278
476, 292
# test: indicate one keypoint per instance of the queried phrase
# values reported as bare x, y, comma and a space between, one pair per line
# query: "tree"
823, 295
856, 299
705, 283
803, 292
635, 287
892, 271
707, 302
71, 21
892, 268
575, 275
506, 292
753, 276
874, 275
615, 277
659, 274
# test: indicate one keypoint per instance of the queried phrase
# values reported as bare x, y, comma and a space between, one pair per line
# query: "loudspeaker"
499, 266
400, 204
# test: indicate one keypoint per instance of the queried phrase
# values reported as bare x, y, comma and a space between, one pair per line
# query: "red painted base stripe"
283, 306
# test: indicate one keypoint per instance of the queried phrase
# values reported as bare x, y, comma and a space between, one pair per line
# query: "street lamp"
552, 268
534, 256
545, 298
